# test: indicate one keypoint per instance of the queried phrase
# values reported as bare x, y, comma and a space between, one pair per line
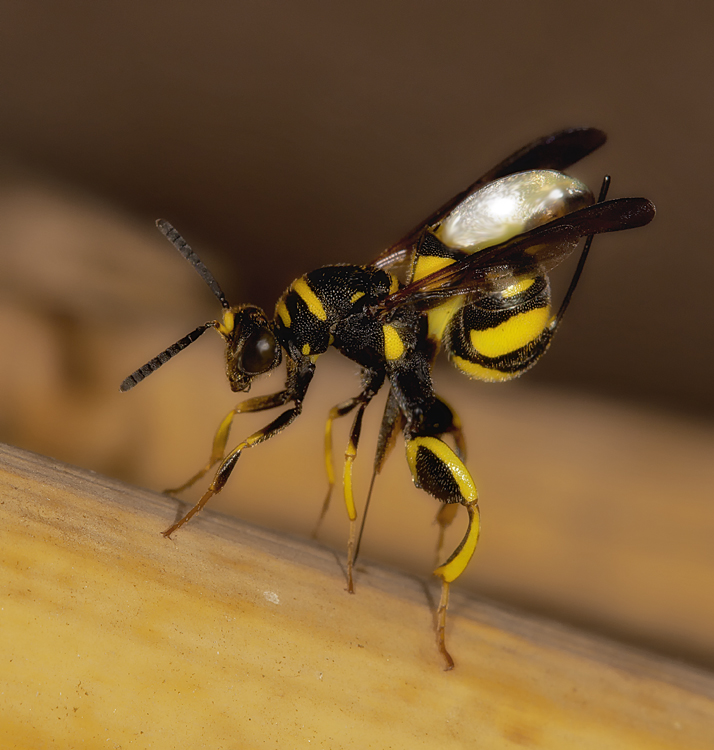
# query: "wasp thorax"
251, 346
510, 206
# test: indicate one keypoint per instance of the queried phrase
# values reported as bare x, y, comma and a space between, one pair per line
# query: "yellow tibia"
458, 561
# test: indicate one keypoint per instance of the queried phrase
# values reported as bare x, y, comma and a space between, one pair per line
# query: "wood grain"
231, 636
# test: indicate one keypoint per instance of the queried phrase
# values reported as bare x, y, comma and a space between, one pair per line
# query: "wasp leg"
229, 462
392, 422
450, 571
439, 471
444, 420
371, 383
299, 377
260, 403
444, 518
441, 419
341, 410
435, 467
454, 428
350, 454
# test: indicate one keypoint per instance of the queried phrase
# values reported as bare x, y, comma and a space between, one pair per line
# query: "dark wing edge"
555, 151
540, 249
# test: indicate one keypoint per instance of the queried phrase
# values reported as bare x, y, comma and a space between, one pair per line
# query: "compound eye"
258, 352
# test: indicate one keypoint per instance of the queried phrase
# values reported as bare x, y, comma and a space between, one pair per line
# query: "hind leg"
436, 467
439, 471
443, 420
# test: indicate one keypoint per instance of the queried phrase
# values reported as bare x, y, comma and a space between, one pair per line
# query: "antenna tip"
127, 384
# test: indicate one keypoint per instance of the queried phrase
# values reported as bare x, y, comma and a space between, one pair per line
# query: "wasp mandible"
476, 285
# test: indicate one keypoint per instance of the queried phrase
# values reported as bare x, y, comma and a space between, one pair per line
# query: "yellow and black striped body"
477, 286
334, 306
318, 309
502, 334
496, 334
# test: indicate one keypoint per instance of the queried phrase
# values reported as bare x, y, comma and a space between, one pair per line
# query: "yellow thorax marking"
302, 289
283, 313
355, 297
393, 344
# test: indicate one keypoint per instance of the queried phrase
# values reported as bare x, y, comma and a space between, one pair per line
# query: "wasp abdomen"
501, 335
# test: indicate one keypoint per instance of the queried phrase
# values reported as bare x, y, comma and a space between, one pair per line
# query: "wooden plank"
231, 636
595, 512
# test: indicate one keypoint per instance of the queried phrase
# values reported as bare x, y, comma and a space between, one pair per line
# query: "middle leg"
436, 467
372, 381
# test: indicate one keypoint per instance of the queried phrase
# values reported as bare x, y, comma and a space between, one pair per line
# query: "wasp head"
251, 346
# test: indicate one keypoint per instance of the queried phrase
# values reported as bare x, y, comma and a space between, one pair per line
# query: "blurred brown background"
289, 135
282, 136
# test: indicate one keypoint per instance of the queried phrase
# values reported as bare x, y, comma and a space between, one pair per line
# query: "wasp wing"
533, 252
556, 151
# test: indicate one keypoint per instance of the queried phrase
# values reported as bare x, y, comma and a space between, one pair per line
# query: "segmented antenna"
583, 256
161, 359
184, 248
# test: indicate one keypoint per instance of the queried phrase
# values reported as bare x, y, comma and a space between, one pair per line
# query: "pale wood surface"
594, 512
233, 637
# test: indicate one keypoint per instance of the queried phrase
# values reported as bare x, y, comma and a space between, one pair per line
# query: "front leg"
299, 377
260, 403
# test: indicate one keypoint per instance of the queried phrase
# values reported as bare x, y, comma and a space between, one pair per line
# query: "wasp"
471, 279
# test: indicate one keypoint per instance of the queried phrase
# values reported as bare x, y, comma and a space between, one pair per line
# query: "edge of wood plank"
230, 632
